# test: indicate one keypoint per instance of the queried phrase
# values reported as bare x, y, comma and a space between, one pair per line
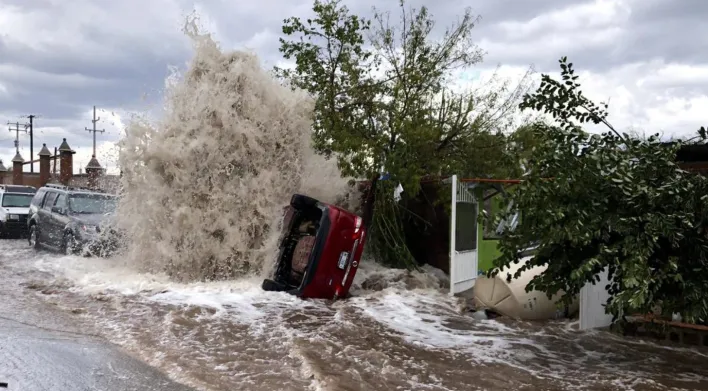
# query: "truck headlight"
14, 217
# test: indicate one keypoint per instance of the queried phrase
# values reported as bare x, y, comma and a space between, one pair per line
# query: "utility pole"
29, 127
94, 120
17, 131
31, 134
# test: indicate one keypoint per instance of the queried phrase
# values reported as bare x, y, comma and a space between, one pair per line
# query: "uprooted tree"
596, 201
387, 103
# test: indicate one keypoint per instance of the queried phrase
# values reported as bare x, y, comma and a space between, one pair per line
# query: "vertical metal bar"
31, 134
453, 229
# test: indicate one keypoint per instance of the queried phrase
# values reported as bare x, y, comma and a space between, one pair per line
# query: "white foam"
420, 316
98, 275
239, 298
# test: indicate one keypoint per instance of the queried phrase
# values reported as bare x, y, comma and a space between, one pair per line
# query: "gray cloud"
641, 31
58, 59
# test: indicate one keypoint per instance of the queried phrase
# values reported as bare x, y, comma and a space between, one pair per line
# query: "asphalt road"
44, 347
38, 359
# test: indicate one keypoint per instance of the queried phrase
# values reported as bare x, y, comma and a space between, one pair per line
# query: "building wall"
29, 179
109, 183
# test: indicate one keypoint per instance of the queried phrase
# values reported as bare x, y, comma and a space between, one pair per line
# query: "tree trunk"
368, 210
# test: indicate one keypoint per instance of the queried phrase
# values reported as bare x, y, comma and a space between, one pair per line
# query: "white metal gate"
592, 304
463, 237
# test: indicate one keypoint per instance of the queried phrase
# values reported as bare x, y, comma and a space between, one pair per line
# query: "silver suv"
72, 220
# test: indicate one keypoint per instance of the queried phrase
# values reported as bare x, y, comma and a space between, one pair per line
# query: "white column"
453, 226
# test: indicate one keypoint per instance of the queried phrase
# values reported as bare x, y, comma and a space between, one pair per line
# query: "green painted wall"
488, 252
488, 249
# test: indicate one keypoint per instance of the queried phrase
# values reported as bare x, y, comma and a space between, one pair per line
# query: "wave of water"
204, 187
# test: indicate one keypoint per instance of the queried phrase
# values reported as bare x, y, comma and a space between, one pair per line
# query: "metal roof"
93, 163
44, 151
64, 147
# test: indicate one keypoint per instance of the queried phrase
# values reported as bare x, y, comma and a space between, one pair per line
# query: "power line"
94, 120
17, 131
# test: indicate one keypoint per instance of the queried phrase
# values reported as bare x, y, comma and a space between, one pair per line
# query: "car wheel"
272, 286
33, 237
69, 244
299, 201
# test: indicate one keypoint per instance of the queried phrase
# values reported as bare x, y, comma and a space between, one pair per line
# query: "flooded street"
399, 334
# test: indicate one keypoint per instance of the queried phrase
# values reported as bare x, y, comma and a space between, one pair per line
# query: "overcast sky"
59, 58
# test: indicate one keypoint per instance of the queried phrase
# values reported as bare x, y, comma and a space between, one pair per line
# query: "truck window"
38, 198
61, 201
49, 200
16, 200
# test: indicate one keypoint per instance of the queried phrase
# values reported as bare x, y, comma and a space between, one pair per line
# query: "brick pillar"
94, 171
44, 163
66, 163
17, 164
3, 172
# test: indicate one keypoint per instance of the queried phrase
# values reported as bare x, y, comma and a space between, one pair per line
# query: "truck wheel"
33, 237
299, 201
272, 286
69, 244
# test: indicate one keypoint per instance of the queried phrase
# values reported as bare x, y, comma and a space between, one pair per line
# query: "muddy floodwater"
399, 332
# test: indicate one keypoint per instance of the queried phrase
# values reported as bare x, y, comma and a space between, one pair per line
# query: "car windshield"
91, 203
17, 200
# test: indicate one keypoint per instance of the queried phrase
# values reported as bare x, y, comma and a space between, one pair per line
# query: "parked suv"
72, 220
14, 207
320, 249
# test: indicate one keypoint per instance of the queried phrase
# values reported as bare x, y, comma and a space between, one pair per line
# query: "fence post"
17, 165
453, 231
66, 163
44, 162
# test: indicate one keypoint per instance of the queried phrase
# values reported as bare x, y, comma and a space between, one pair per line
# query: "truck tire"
33, 237
299, 201
68, 244
272, 286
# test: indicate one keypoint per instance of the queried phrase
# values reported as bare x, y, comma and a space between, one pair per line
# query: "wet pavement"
43, 347
40, 359
401, 331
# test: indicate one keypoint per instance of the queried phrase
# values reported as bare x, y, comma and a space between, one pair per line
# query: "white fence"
592, 304
463, 237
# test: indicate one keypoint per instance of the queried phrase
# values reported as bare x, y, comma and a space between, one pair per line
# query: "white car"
14, 208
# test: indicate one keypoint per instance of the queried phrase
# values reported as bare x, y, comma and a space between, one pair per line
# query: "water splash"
204, 187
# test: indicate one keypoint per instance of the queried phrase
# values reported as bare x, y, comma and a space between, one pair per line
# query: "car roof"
17, 189
91, 193
75, 190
